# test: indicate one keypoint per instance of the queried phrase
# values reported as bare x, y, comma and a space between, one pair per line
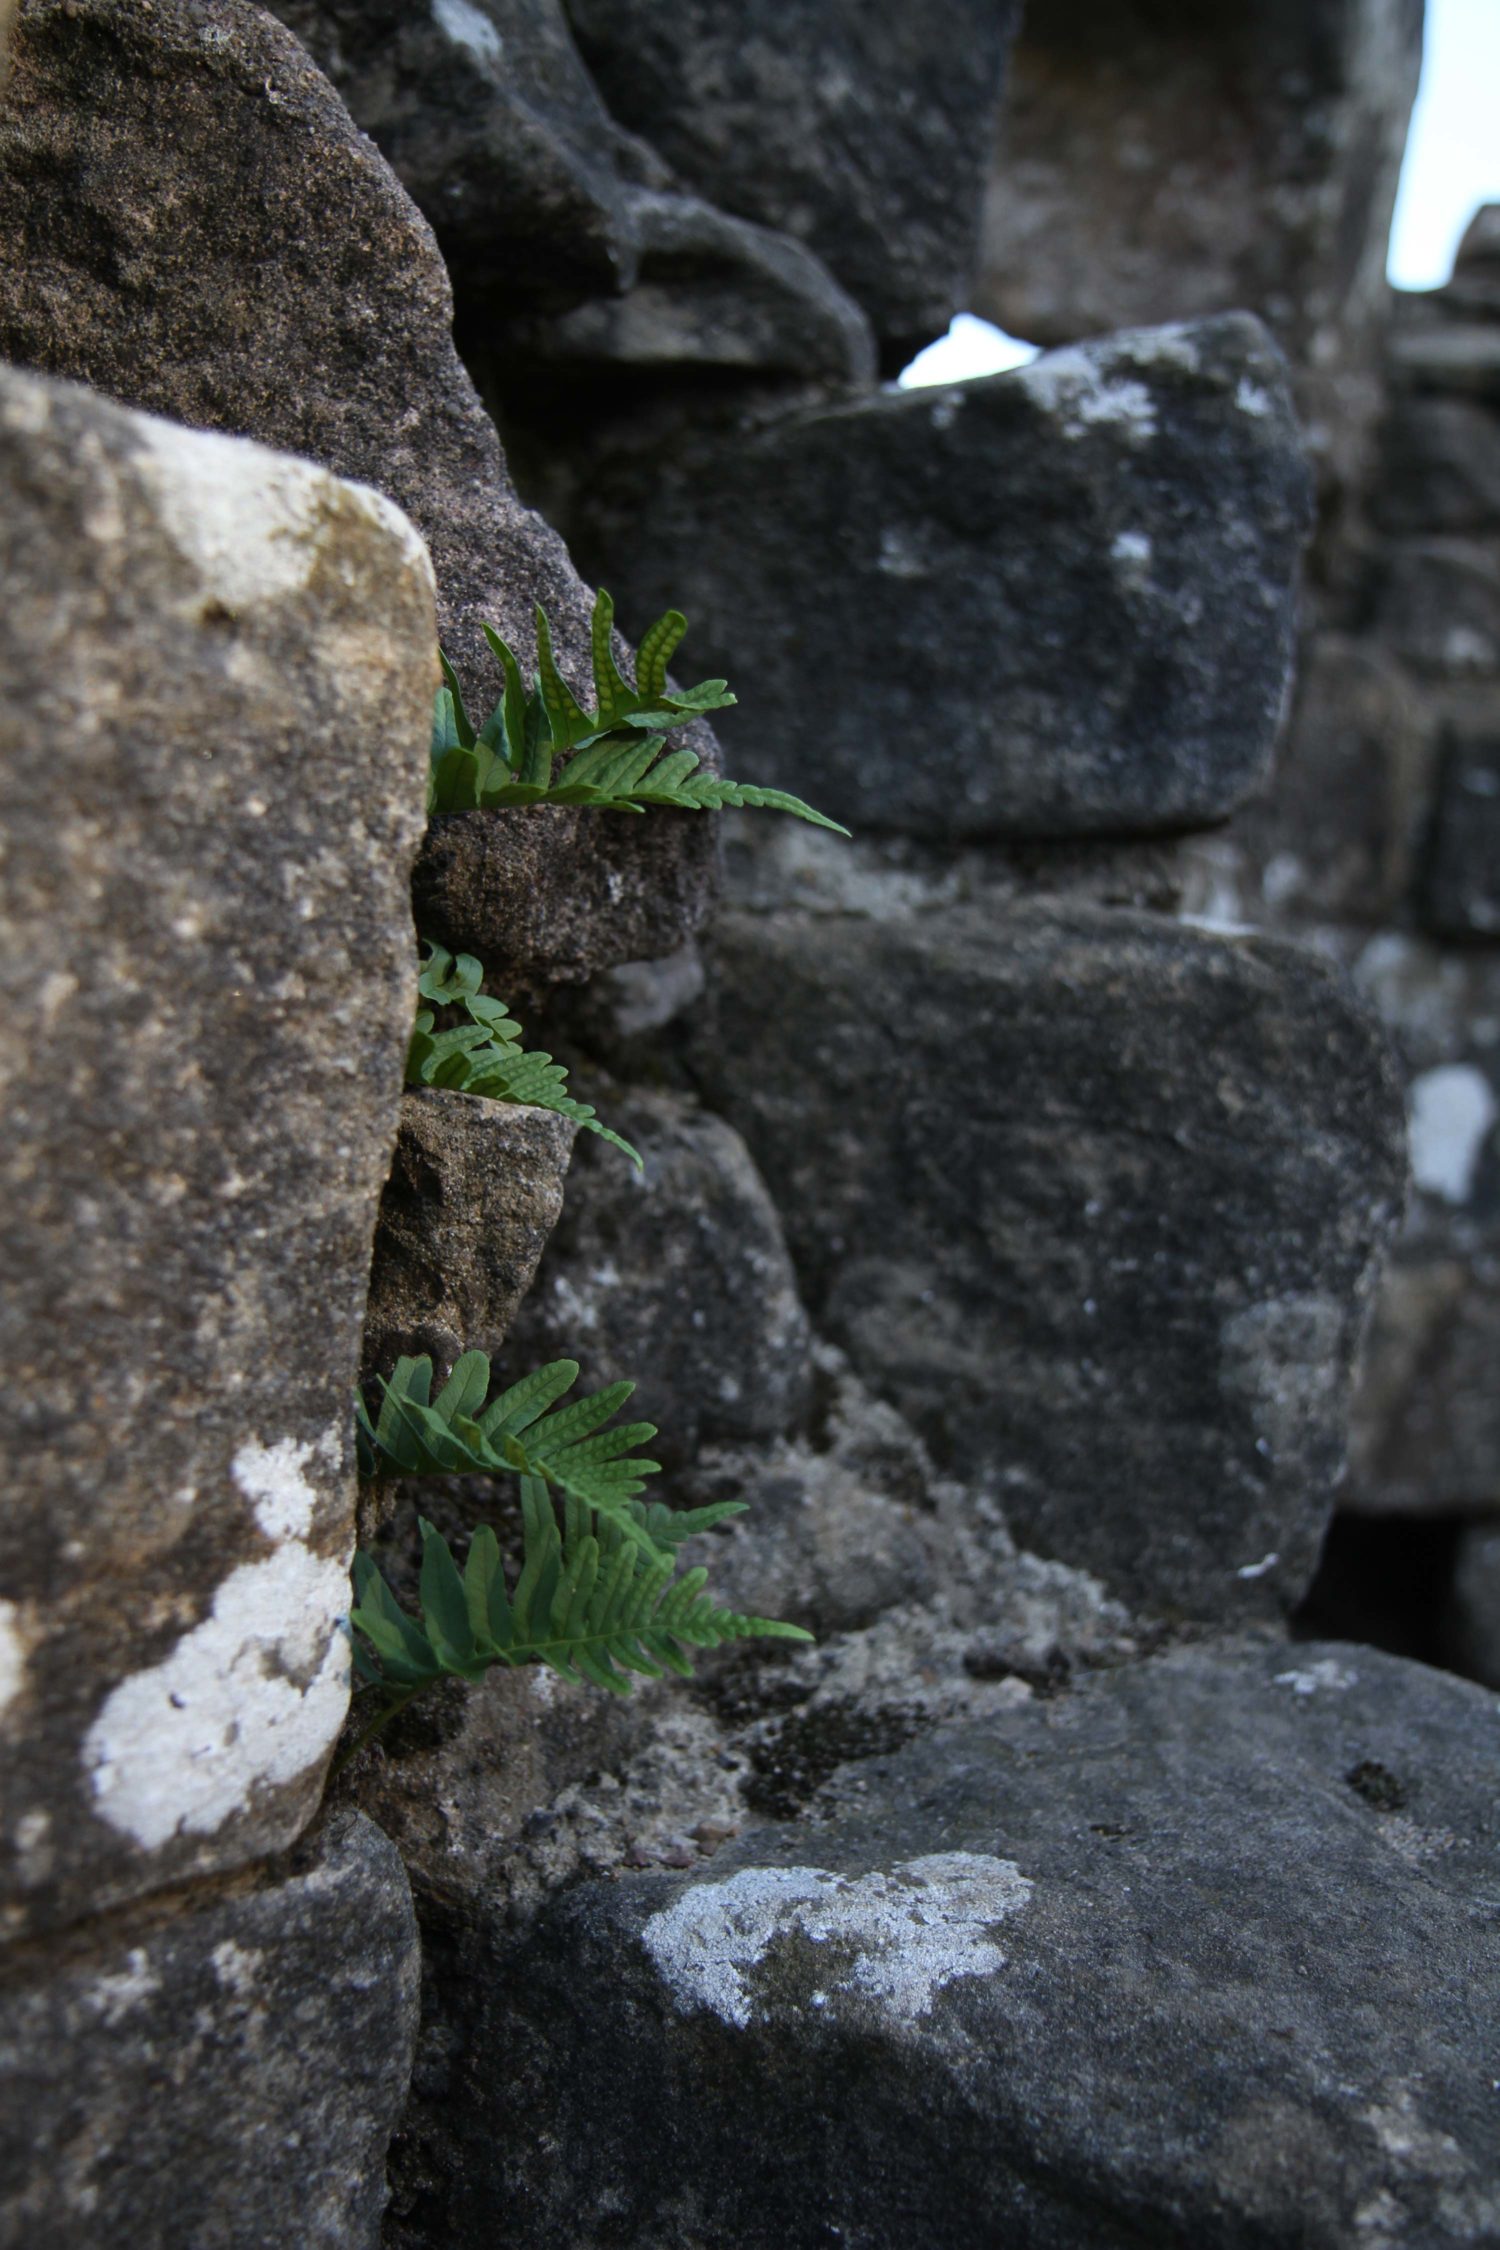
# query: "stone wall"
1016, 1178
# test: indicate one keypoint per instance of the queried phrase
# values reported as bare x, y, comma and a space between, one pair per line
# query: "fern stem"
382, 1719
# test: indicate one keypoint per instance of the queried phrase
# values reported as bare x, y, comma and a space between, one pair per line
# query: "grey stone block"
1052, 603
224, 2074
209, 980
1199, 1953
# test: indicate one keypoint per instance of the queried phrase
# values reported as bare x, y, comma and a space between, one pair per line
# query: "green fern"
587, 1602
484, 1055
620, 760
518, 1434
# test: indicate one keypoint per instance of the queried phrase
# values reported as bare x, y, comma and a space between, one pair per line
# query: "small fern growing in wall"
618, 759
482, 1052
598, 1595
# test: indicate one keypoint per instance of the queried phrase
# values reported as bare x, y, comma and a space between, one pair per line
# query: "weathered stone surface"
1440, 468
1056, 602
475, 1189
566, 246
1096, 1199
1472, 1623
862, 130
346, 359
493, 126
540, 894
1461, 893
1197, 1954
710, 292
209, 982
1439, 606
222, 2075
1162, 163
676, 1279
922, 1606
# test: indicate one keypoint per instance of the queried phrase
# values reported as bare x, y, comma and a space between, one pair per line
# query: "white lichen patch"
1252, 398
1452, 1110
1327, 1673
1076, 386
246, 518
114, 1996
1131, 550
275, 1481
252, 522
252, 1698
12, 1654
898, 1939
469, 27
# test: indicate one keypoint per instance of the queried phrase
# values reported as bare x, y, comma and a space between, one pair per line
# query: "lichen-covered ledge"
209, 982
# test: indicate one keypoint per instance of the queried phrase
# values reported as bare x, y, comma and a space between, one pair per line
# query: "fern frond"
484, 1055
415, 1435
588, 1603
509, 762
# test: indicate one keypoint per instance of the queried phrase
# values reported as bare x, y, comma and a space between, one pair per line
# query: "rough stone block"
475, 1189
1199, 1953
676, 1279
862, 130
1052, 603
222, 2074
568, 249
345, 358
1097, 1199
209, 983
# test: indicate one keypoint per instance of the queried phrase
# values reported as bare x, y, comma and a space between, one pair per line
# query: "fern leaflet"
618, 760
587, 1602
484, 1055
518, 1434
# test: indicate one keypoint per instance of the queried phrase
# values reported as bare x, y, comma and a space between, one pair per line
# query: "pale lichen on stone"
911, 1932
251, 1698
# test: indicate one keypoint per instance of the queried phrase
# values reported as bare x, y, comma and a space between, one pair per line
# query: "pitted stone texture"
1052, 603
475, 1189
493, 126
1197, 1954
209, 983
222, 2075
347, 359
567, 247
1098, 1200
710, 292
540, 895
861, 129
677, 1279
